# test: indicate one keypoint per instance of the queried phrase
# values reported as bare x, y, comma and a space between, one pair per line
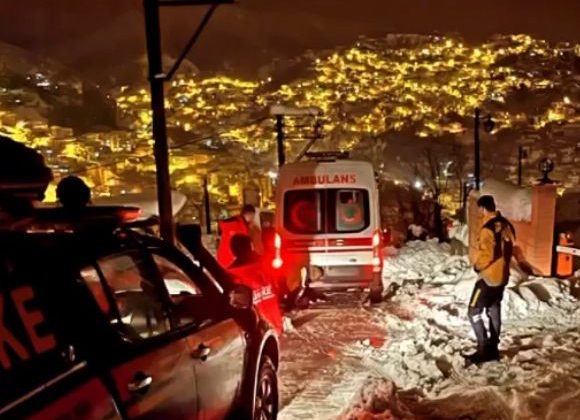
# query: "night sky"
85, 34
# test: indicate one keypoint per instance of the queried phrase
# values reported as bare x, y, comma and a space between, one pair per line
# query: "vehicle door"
349, 240
42, 375
304, 221
216, 341
154, 373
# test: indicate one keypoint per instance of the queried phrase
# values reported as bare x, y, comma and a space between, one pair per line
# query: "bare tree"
431, 170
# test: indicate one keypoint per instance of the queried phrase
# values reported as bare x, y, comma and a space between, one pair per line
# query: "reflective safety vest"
229, 228
256, 277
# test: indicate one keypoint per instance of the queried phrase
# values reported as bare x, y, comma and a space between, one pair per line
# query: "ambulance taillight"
277, 262
377, 252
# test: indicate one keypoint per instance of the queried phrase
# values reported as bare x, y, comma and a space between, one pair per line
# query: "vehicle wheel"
376, 294
266, 392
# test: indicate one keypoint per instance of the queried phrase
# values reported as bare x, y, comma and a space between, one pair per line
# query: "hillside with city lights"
377, 96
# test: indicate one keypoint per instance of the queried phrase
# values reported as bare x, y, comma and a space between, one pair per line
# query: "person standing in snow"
242, 224
492, 263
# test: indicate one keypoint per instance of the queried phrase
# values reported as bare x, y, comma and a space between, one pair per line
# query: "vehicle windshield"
337, 210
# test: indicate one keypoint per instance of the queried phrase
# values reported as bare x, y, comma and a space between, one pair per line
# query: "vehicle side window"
139, 309
189, 307
176, 281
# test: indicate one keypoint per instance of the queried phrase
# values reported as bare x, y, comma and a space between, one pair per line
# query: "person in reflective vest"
250, 270
230, 227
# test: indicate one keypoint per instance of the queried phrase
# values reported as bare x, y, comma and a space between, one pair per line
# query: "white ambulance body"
328, 225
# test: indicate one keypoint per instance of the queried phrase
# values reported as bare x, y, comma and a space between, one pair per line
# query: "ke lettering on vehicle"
31, 318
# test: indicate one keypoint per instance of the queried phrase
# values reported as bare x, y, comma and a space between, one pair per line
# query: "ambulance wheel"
376, 290
376, 295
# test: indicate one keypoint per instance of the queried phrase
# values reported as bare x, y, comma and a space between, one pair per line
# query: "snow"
403, 359
459, 232
513, 202
540, 342
378, 397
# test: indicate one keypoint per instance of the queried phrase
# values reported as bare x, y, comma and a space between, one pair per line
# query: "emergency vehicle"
328, 227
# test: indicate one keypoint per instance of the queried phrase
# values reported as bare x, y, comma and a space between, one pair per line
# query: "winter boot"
476, 358
492, 352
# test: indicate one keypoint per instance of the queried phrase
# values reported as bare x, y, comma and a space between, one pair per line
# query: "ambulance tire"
376, 290
376, 294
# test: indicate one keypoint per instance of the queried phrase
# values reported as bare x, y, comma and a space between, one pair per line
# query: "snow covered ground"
403, 359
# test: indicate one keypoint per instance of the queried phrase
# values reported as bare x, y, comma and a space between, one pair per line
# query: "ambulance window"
302, 211
351, 210
139, 308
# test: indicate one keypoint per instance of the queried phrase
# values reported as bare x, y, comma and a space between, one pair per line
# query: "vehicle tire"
266, 391
376, 289
376, 295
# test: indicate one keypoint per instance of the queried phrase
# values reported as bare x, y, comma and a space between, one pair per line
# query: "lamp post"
488, 126
522, 155
206, 205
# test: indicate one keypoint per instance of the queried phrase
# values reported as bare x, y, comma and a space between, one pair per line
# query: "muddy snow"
402, 359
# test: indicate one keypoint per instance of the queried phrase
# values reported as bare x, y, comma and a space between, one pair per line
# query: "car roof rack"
328, 156
58, 219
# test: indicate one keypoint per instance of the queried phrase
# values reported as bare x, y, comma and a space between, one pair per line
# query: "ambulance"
328, 227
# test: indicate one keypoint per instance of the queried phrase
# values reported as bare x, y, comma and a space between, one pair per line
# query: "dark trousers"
488, 298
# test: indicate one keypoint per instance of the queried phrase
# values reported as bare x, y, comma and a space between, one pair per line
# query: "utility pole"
206, 206
280, 112
488, 125
157, 78
280, 140
522, 154
476, 171
160, 147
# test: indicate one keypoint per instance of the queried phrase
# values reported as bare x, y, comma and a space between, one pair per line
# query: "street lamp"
488, 126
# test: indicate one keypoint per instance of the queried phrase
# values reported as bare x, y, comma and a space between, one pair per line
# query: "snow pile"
378, 400
417, 340
514, 203
459, 232
415, 261
429, 332
449, 279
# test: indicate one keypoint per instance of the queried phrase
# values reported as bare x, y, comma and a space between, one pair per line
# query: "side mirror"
241, 297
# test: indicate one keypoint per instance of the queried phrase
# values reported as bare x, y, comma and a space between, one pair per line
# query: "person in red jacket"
250, 270
230, 227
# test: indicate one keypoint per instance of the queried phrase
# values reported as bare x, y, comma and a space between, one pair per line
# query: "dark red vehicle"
98, 320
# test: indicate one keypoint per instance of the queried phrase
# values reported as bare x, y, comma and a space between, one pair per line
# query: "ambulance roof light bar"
329, 156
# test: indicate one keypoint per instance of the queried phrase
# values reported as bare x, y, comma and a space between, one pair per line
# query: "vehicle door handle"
141, 382
201, 352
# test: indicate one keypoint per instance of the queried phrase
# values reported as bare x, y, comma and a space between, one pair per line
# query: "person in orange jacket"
228, 228
250, 270
492, 263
